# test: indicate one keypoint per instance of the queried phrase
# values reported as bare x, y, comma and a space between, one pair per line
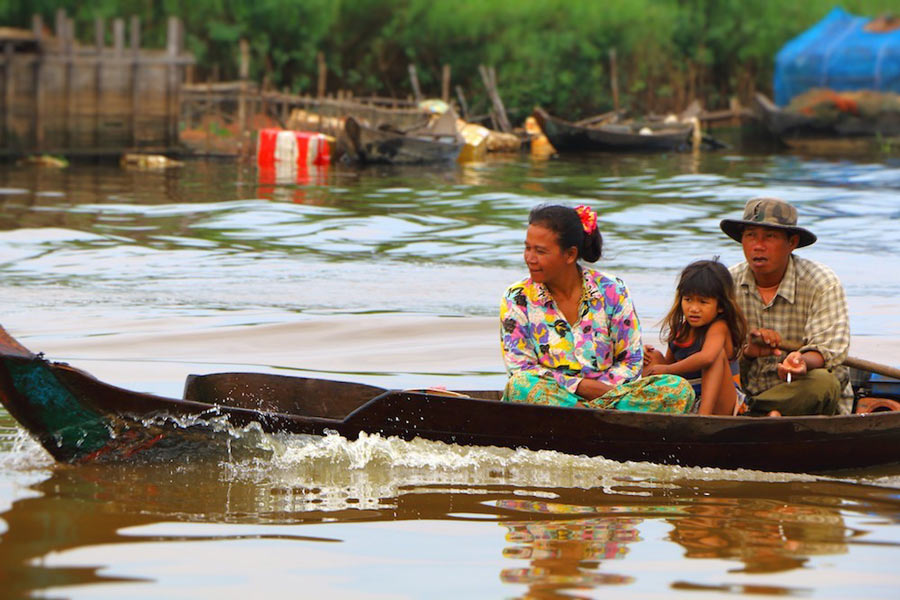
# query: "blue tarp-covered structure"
842, 52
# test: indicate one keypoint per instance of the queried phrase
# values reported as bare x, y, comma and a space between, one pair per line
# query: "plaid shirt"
809, 307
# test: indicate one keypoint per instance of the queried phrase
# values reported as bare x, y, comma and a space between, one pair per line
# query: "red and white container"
302, 148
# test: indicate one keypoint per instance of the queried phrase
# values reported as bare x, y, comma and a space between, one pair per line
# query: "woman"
570, 335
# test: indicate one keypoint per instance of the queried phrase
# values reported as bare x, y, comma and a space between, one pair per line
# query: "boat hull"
79, 418
377, 146
569, 137
849, 134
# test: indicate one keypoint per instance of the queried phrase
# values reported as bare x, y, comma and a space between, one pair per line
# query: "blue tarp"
838, 53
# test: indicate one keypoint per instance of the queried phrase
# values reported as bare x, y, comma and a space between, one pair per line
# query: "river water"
393, 277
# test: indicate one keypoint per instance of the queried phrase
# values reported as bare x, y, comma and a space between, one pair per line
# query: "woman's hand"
652, 356
591, 388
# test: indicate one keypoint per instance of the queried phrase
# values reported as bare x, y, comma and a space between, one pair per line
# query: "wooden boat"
848, 133
438, 142
567, 136
78, 418
325, 115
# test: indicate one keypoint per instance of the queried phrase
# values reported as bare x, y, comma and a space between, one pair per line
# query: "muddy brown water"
393, 277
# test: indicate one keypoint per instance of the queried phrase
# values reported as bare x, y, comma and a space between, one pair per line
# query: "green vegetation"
549, 52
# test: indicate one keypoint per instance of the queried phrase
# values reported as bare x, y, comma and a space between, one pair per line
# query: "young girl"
704, 329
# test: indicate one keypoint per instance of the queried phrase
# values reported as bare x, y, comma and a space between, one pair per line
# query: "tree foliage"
555, 53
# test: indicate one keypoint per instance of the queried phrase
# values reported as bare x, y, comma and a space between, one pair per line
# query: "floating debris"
45, 160
149, 161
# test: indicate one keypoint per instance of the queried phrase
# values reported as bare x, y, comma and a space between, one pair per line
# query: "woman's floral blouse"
605, 343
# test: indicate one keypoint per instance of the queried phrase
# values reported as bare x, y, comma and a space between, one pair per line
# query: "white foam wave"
333, 473
21, 452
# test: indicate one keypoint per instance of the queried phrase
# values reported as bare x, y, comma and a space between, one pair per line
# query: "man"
785, 297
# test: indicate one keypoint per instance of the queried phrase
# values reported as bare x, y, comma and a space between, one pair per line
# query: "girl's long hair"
710, 279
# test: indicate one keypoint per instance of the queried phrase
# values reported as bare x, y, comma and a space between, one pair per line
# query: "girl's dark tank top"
680, 352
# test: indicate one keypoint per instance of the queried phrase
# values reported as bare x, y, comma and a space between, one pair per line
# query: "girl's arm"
716, 339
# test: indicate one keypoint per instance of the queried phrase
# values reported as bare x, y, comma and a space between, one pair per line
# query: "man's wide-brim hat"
768, 212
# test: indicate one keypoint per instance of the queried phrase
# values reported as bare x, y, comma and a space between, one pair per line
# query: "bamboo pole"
37, 24
119, 37
135, 91
857, 363
173, 49
489, 77
8, 94
614, 77
414, 80
242, 98
99, 43
445, 83
209, 104
68, 95
462, 103
323, 73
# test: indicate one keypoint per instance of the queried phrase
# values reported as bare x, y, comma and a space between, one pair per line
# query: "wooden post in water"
489, 77
99, 43
67, 38
463, 105
614, 78
173, 76
445, 84
209, 104
323, 73
7, 93
135, 91
37, 25
414, 80
118, 60
119, 37
242, 98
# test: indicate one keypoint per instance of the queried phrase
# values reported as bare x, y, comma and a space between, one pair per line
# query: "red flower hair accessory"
588, 218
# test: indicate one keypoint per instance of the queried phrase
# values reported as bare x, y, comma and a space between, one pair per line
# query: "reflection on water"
767, 536
549, 541
565, 554
558, 524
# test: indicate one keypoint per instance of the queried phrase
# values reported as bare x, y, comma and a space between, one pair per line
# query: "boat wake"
304, 473
21, 452
333, 473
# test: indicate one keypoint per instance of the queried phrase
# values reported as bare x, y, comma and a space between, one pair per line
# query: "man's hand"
793, 365
762, 342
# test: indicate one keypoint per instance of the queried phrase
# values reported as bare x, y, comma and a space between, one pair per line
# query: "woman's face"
545, 260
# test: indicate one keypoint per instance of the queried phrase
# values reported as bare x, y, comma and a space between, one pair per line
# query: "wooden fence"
62, 96
59, 96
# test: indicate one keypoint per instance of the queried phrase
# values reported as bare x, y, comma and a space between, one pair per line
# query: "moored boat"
438, 142
845, 130
78, 418
567, 136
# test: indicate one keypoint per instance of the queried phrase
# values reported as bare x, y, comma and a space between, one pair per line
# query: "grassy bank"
549, 52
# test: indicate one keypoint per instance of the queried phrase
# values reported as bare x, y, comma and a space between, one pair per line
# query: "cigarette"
788, 377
